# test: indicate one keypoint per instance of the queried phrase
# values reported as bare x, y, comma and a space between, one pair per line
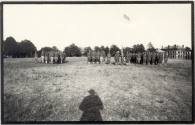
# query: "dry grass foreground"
53, 92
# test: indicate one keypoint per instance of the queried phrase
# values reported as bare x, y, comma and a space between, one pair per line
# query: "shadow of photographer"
91, 106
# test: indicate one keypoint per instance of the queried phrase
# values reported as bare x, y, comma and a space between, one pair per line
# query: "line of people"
135, 58
98, 57
53, 57
147, 58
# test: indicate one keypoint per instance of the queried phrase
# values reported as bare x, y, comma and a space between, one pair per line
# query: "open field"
53, 92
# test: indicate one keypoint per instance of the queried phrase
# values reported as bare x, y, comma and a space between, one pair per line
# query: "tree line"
14, 49
25, 48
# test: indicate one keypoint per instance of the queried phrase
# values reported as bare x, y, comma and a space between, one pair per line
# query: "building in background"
178, 52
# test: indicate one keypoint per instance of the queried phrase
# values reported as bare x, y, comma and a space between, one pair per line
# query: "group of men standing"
147, 58
53, 57
98, 57
135, 58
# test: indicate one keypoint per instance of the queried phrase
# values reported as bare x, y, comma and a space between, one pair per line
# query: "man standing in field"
55, 57
166, 57
148, 58
117, 55
60, 53
51, 56
152, 58
135, 58
108, 58
59, 59
36, 57
102, 56
127, 57
47, 57
138, 58
144, 58
160, 58
42, 56
98, 57
63, 57
93, 56
131, 57
156, 59
89, 57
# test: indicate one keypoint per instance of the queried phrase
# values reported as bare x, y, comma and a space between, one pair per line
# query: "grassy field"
53, 92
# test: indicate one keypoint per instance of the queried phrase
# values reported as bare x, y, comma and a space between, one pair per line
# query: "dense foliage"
14, 49
72, 51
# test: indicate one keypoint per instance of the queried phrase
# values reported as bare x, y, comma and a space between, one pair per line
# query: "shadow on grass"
91, 106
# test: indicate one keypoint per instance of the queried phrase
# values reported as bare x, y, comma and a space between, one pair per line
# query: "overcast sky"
91, 25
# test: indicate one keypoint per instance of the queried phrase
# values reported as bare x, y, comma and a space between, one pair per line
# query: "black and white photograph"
97, 62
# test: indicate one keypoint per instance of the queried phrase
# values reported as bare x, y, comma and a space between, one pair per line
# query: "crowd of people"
53, 57
100, 57
135, 58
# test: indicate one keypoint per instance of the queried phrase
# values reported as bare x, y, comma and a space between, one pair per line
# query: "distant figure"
166, 57
127, 57
124, 60
102, 56
144, 58
42, 56
134, 58
47, 57
97, 57
89, 57
116, 58
108, 58
55, 57
36, 57
59, 59
93, 56
51, 55
138, 58
91, 106
156, 59
161, 58
63, 57
148, 58
152, 61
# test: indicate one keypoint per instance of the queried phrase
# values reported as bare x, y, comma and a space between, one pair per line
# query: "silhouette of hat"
91, 91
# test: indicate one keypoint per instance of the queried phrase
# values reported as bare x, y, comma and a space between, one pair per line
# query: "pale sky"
102, 24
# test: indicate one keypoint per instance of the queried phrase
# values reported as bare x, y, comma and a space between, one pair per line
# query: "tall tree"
106, 50
127, 49
10, 47
141, 48
27, 48
151, 47
86, 50
97, 48
102, 48
138, 48
72, 50
55, 48
114, 49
